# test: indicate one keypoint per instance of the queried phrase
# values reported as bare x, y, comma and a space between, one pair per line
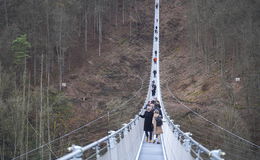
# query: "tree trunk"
27, 115
15, 133
23, 118
130, 24
34, 69
222, 50
116, 18
41, 109
3, 150
86, 30
60, 51
6, 15
123, 12
94, 20
48, 112
100, 33
48, 59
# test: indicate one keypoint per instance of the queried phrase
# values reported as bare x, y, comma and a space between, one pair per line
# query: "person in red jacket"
155, 59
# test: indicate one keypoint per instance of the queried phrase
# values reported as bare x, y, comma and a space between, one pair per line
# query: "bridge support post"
170, 123
75, 148
125, 131
187, 142
126, 143
137, 117
198, 151
216, 154
97, 152
112, 146
176, 132
111, 140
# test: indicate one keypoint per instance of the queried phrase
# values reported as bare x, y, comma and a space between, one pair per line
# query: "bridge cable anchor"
187, 141
216, 154
75, 148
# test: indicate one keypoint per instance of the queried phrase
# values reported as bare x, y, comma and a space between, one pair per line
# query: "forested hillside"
92, 46
214, 69
101, 48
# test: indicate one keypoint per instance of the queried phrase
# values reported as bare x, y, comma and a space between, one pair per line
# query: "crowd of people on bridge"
153, 121
153, 114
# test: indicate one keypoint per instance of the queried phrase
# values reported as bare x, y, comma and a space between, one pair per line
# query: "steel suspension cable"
216, 125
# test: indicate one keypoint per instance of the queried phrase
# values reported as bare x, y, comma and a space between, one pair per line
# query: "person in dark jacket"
153, 88
153, 92
154, 73
148, 126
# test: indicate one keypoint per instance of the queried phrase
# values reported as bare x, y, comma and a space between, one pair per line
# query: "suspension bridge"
128, 142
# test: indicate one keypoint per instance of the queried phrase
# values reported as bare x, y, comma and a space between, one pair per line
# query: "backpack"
159, 121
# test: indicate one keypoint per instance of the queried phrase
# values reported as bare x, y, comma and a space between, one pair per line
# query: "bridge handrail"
80, 150
215, 154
